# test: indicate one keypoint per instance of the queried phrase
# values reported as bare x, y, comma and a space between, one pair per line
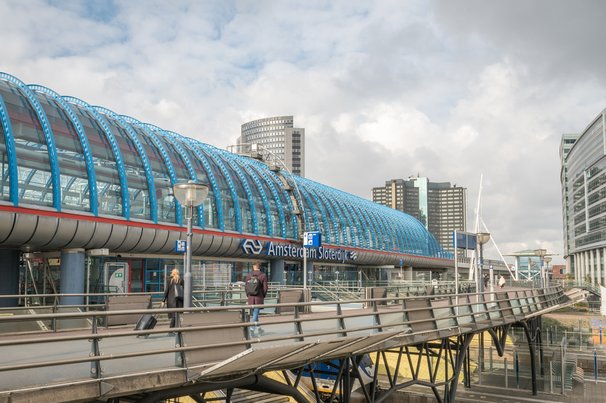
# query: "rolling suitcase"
146, 322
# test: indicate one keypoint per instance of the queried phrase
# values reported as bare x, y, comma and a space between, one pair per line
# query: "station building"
86, 205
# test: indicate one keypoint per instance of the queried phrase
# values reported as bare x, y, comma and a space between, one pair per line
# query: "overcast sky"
384, 89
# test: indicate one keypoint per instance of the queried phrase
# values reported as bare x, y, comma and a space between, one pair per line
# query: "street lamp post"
190, 194
541, 254
483, 237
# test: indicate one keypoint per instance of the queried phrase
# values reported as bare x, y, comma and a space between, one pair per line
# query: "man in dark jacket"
258, 297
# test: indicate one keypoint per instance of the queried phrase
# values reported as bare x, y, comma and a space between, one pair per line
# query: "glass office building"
583, 178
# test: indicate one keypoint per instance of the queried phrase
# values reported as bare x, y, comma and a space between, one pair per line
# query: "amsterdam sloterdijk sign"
272, 249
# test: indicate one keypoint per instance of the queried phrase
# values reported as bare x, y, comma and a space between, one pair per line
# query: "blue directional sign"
181, 246
312, 239
464, 240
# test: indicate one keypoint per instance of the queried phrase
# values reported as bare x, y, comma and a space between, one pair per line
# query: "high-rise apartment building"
276, 138
442, 208
583, 178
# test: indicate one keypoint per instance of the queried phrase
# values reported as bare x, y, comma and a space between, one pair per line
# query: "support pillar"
9, 273
73, 276
408, 273
598, 267
591, 267
276, 271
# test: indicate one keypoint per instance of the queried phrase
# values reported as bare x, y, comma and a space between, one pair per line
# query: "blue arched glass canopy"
62, 153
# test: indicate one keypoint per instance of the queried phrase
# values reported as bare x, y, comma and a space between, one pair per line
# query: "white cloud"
384, 89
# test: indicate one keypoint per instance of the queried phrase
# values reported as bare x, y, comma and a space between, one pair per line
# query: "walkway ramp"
215, 345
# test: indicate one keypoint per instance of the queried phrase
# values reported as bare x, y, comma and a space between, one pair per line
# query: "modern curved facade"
76, 178
277, 138
583, 178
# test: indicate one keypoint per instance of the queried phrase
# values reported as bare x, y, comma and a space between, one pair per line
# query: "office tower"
440, 207
276, 138
583, 179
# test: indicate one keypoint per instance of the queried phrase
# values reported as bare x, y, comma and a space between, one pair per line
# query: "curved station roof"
71, 162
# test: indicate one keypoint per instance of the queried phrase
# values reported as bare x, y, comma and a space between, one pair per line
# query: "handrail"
475, 312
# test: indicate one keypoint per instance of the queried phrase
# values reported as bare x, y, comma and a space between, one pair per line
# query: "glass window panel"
35, 185
72, 165
164, 197
4, 176
135, 172
210, 205
106, 169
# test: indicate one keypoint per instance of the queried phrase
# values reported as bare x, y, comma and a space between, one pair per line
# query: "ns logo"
251, 246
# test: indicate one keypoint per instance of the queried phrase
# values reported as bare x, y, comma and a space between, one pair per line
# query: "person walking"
173, 295
255, 286
502, 281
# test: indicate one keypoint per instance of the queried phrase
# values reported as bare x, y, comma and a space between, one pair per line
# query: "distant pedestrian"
502, 281
173, 294
256, 291
486, 281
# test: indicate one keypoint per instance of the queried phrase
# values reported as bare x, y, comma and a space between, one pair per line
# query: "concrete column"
408, 273
598, 267
583, 266
9, 273
73, 276
276, 271
591, 266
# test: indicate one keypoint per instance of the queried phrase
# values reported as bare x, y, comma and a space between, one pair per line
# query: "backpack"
253, 286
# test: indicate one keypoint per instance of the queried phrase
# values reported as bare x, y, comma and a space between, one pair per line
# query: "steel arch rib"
11, 154
88, 155
239, 162
345, 218
190, 168
274, 177
352, 218
115, 149
338, 211
151, 186
398, 234
373, 230
372, 223
259, 184
270, 183
234, 194
320, 207
312, 207
328, 222
251, 203
167, 162
386, 236
333, 213
211, 177
48, 134
377, 218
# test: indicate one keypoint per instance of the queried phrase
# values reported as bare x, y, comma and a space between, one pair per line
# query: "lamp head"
483, 237
190, 193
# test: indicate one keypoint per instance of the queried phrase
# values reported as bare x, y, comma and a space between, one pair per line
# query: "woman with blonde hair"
173, 295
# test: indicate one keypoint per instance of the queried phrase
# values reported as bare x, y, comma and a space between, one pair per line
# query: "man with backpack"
255, 286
